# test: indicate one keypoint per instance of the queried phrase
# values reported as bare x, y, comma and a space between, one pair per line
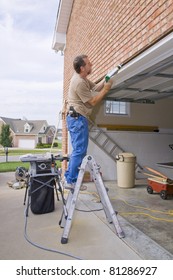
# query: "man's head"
82, 65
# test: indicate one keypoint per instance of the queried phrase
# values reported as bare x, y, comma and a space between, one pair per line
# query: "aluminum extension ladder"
99, 137
67, 215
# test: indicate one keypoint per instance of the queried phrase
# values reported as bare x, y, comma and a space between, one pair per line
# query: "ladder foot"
64, 240
61, 226
121, 234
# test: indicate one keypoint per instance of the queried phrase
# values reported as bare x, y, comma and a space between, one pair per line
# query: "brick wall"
112, 32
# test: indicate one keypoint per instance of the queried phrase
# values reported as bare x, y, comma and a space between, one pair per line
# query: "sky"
31, 72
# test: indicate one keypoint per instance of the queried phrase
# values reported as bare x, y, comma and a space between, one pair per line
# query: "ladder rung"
97, 135
114, 147
108, 139
105, 142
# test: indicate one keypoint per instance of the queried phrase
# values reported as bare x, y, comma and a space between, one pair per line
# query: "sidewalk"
91, 236
9, 158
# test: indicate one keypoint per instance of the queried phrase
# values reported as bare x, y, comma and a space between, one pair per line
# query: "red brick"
111, 32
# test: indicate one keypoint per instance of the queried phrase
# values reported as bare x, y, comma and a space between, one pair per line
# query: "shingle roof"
17, 125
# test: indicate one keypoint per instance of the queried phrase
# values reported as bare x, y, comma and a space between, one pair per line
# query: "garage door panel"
27, 143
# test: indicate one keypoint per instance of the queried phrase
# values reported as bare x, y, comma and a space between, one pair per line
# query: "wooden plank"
156, 172
122, 127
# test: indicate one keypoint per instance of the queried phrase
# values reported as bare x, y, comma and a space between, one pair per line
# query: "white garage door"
24, 143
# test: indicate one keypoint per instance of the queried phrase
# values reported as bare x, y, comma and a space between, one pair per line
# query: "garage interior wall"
159, 114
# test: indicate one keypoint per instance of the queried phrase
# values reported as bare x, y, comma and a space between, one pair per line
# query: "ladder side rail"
138, 167
67, 227
99, 186
65, 210
105, 199
71, 202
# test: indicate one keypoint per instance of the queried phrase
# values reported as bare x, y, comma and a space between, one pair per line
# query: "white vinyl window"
116, 107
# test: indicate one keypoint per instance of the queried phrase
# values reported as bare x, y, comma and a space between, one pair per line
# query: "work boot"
71, 186
68, 186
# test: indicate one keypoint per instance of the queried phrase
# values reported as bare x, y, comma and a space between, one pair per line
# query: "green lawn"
12, 165
16, 152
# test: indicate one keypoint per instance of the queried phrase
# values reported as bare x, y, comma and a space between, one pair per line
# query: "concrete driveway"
91, 236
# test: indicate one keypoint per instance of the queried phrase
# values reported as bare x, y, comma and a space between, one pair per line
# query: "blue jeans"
79, 133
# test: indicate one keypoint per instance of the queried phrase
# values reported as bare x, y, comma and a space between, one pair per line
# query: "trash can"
126, 170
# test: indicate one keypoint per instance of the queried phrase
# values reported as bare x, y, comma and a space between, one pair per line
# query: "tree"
5, 136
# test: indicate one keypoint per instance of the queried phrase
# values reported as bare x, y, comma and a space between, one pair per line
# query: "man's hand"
96, 99
107, 85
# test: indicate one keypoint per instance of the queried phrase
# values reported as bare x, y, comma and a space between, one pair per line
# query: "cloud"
31, 73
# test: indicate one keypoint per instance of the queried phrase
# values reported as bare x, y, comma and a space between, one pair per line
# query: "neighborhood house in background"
29, 133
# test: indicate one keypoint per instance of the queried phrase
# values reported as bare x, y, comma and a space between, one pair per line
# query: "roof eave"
61, 26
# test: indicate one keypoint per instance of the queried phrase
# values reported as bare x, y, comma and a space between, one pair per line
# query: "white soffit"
62, 21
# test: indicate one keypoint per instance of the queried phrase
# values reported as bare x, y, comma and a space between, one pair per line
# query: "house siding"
113, 32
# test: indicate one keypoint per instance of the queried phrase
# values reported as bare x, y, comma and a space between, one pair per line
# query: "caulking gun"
112, 73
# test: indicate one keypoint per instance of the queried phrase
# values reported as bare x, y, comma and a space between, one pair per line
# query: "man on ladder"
83, 95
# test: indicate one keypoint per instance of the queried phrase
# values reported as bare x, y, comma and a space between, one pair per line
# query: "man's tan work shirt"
80, 92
